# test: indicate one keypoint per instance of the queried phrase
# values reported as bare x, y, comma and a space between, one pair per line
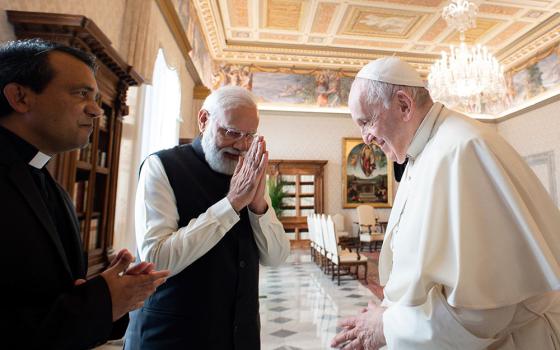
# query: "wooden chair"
368, 226
343, 237
367, 220
312, 237
342, 261
371, 239
338, 220
321, 246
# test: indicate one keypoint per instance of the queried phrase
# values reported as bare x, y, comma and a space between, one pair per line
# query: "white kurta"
160, 239
472, 251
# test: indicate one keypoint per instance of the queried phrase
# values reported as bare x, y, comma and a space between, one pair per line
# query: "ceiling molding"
174, 23
528, 107
543, 35
513, 27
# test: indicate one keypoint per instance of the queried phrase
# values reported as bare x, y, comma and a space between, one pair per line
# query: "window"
160, 128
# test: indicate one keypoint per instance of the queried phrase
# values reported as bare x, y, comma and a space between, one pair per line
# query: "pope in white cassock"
471, 258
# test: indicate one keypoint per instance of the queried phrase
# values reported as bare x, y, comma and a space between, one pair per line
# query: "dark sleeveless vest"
213, 303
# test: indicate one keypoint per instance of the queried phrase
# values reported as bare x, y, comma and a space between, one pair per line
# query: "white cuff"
224, 213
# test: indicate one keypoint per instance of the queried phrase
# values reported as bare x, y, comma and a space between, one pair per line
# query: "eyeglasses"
234, 134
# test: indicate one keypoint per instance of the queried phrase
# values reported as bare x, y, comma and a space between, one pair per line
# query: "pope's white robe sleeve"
437, 325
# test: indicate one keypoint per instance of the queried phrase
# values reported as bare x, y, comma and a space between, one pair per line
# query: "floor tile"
281, 320
279, 308
283, 333
306, 315
277, 300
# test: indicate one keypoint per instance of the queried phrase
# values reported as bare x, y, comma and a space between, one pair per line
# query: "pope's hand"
362, 332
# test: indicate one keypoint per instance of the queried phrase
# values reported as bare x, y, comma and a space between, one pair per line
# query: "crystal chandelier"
469, 77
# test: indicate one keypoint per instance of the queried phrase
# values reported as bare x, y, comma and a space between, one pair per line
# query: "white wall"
318, 136
314, 136
536, 135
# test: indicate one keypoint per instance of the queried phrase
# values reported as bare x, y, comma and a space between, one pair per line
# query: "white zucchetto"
391, 70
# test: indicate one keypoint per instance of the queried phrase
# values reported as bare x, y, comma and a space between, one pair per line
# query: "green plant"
276, 193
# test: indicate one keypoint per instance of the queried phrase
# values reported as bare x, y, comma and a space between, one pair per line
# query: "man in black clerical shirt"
48, 95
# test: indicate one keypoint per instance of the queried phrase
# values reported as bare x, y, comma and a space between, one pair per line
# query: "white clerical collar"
424, 131
39, 160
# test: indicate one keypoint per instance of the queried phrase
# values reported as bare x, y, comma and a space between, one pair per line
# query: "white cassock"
472, 251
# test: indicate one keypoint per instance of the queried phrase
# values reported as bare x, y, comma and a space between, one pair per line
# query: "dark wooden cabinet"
303, 194
89, 174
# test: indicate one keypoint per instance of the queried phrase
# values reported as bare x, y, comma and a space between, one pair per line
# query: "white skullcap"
393, 71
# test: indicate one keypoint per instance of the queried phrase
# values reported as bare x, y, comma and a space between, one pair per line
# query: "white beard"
216, 156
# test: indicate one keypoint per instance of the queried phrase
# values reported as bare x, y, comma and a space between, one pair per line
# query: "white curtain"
153, 124
162, 105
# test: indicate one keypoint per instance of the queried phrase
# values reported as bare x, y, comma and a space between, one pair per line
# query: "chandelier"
468, 77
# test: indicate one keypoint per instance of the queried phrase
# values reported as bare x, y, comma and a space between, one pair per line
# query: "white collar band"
39, 160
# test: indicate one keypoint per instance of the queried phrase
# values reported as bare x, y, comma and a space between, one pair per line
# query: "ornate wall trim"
172, 19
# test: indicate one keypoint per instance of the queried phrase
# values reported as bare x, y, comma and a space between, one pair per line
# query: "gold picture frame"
367, 175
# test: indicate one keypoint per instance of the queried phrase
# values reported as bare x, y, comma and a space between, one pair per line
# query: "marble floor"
300, 306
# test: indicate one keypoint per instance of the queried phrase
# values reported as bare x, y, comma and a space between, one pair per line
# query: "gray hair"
380, 92
226, 98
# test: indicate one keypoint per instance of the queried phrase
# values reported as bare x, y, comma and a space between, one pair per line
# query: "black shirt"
50, 194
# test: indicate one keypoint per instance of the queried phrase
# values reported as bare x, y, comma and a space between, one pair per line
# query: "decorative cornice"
329, 57
319, 52
208, 24
526, 109
288, 60
536, 39
174, 23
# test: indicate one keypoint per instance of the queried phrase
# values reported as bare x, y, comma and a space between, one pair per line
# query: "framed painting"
367, 175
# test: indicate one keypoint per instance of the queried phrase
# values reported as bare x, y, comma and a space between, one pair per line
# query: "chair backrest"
333, 246
366, 215
338, 221
319, 231
311, 228
326, 238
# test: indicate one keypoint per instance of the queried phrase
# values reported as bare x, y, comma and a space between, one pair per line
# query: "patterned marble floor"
300, 306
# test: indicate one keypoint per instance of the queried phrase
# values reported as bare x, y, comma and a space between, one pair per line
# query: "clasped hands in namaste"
248, 183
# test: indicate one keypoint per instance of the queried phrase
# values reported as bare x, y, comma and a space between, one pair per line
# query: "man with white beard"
203, 213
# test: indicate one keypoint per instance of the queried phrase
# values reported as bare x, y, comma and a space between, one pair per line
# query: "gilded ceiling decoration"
346, 34
306, 52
